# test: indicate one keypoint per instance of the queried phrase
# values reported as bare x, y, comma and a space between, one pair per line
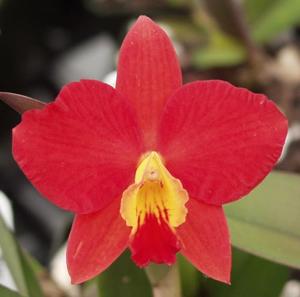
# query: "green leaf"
11, 255
269, 18
18, 264
266, 223
33, 286
5, 292
124, 278
36, 267
251, 276
255, 9
221, 51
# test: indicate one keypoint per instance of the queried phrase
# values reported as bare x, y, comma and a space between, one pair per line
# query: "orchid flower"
148, 165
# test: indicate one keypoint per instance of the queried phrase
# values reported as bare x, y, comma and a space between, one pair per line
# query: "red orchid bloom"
149, 164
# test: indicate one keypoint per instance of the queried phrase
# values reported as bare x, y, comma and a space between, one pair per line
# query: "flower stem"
165, 280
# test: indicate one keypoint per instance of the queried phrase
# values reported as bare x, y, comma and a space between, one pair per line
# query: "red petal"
95, 241
148, 73
205, 240
219, 140
81, 151
154, 241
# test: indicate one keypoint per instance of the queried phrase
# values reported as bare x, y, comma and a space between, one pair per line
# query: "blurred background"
45, 44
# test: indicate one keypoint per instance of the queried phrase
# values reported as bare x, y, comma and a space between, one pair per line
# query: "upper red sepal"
220, 140
81, 151
148, 73
95, 241
205, 240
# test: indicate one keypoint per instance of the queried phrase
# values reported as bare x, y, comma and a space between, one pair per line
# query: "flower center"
154, 206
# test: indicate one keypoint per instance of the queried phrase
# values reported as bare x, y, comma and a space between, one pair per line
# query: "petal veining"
148, 73
220, 140
95, 241
205, 240
81, 151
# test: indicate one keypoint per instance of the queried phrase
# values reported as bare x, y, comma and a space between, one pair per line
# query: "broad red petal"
148, 73
81, 151
95, 241
219, 140
205, 240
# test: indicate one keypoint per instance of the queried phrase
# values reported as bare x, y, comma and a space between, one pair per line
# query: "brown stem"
20, 103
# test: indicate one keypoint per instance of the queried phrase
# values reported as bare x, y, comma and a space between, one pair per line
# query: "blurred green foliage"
124, 278
222, 50
268, 18
18, 264
5, 292
228, 30
251, 276
266, 223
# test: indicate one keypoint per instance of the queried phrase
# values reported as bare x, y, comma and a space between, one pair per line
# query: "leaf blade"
18, 264
8, 293
266, 223
251, 276
276, 17
11, 256
124, 278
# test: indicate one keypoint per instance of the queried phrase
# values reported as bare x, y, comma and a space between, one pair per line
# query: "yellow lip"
155, 192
